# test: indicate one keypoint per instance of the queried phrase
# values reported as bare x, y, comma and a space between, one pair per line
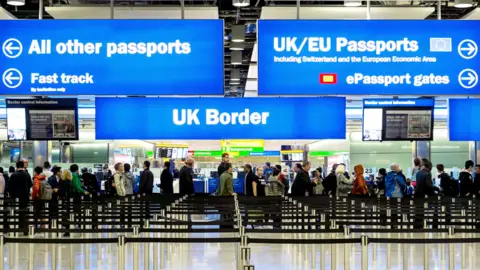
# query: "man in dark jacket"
467, 188
90, 182
424, 181
222, 167
166, 179
302, 182
449, 186
146, 179
186, 178
19, 187
249, 178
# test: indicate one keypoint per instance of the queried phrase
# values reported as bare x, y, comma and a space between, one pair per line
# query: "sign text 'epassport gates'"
220, 118
368, 57
111, 57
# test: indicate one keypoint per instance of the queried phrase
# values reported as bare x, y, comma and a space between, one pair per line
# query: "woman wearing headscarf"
359, 184
344, 185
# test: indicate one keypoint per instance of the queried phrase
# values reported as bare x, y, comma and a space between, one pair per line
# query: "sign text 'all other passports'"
428, 57
111, 57
220, 118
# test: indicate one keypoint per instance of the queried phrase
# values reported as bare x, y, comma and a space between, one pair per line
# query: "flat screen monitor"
42, 119
398, 120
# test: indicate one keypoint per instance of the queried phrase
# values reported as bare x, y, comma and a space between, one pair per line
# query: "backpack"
108, 186
330, 183
46, 191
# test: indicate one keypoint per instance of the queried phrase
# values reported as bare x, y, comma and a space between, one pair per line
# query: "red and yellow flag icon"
329, 78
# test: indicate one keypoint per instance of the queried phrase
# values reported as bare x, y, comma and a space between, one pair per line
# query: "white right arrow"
10, 48
10, 78
470, 77
470, 49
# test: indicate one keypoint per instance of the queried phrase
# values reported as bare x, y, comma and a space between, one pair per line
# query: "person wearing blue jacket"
395, 182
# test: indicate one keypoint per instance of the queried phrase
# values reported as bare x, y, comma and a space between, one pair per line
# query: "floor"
223, 256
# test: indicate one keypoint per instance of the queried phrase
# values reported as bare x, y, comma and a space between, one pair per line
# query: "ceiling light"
463, 3
238, 33
352, 3
235, 74
237, 46
241, 3
236, 58
16, 2
235, 83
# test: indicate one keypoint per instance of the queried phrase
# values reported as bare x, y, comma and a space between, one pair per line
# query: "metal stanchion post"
376, 220
451, 255
2, 262
136, 232
245, 255
146, 248
364, 252
121, 252
155, 245
31, 233
87, 235
54, 246
346, 253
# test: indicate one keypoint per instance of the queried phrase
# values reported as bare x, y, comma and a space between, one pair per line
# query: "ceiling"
223, 9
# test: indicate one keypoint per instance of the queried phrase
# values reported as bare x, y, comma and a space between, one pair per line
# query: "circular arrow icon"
468, 78
12, 78
12, 48
467, 49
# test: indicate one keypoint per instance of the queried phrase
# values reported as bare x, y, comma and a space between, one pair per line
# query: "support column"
20, 155
421, 149
305, 153
474, 152
111, 153
40, 153
66, 153
1, 152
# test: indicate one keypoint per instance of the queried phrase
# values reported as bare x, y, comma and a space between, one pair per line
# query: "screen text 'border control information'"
368, 57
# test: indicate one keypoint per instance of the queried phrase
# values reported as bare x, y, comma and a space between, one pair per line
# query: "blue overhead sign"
111, 57
375, 57
382, 103
220, 118
463, 119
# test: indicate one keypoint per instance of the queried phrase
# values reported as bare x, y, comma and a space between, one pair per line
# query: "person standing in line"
38, 178
425, 184
166, 179
129, 179
359, 184
90, 182
258, 183
302, 183
226, 189
76, 184
25, 168
119, 179
417, 166
226, 182
11, 171
186, 178
4, 182
395, 182
65, 193
476, 179
146, 179
467, 187
46, 169
221, 169
19, 188
249, 180
54, 182
448, 185
276, 188
344, 185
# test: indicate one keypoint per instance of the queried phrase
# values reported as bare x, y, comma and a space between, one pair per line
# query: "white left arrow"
470, 49
10, 47
10, 78
470, 77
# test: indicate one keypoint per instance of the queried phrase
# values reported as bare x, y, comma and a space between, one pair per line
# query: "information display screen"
42, 119
172, 152
398, 120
